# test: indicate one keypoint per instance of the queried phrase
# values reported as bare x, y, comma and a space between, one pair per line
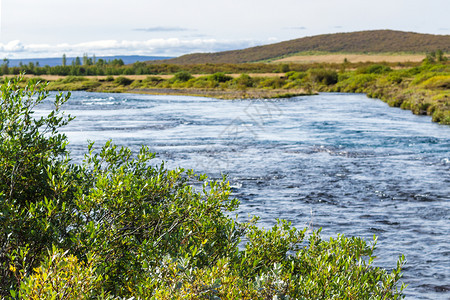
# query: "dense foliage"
116, 226
158, 68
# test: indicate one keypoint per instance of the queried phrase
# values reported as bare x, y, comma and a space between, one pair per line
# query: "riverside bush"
244, 81
437, 82
117, 226
374, 69
220, 77
293, 75
356, 83
123, 80
323, 76
182, 76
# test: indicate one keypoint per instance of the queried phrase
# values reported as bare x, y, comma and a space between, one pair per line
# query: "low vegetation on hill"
118, 227
328, 57
374, 41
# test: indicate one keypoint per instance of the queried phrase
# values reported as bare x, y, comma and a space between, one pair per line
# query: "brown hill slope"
374, 41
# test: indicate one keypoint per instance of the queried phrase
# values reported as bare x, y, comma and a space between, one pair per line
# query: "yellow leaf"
12, 268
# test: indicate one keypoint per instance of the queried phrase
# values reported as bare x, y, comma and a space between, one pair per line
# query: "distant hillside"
374, 41
57, 61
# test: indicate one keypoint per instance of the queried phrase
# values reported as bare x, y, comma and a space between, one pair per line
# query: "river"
342, 162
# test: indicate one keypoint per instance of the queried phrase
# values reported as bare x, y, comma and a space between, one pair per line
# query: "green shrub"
441, 116
374, 69
123, 80
244, 81
35, 211
272, 83
356, 83
153, 79
323, 76
61, 276
220, 77
204, 82
422, 77
182, 76
437, 82
394, 78
293, 75
409, 72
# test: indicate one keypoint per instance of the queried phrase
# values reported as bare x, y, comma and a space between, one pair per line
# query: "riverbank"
218, 85
425, 90
225, 94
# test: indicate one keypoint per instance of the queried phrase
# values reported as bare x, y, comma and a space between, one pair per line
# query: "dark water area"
342, 162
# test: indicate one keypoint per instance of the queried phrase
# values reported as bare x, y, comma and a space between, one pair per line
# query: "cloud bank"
162, 47
163, 29
296, 28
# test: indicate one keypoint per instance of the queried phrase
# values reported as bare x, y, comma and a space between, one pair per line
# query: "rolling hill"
373, 41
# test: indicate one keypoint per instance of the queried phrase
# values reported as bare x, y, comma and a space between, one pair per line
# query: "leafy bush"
274, 83
437, 82
204, 82
118, 226
123, 81
61, 276
220, 77
324, 76
153, 79
394, 78
292, 75
35, 210
182, 76
244, 81
356, 83
421, 77
374, 69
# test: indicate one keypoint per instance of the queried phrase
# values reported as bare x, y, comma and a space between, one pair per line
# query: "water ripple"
346, 163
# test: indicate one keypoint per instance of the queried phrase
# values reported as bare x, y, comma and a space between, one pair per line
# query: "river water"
342, 162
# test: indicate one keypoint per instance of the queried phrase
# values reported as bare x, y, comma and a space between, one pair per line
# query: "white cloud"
163, 29
13, 46
163, 47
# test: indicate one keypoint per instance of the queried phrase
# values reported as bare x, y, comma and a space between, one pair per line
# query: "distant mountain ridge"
372, 41
57, 61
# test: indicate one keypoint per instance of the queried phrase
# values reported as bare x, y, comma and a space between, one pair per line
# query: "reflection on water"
345, 163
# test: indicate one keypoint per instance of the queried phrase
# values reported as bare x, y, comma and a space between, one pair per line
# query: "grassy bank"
218, 85
424, 89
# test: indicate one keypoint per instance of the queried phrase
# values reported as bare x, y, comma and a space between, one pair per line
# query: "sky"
51, 28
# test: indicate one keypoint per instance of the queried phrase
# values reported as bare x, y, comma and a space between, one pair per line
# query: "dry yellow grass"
354, 58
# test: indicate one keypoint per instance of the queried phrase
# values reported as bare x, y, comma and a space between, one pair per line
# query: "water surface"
342, 162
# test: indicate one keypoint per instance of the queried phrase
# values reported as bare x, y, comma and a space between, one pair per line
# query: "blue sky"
49, 28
